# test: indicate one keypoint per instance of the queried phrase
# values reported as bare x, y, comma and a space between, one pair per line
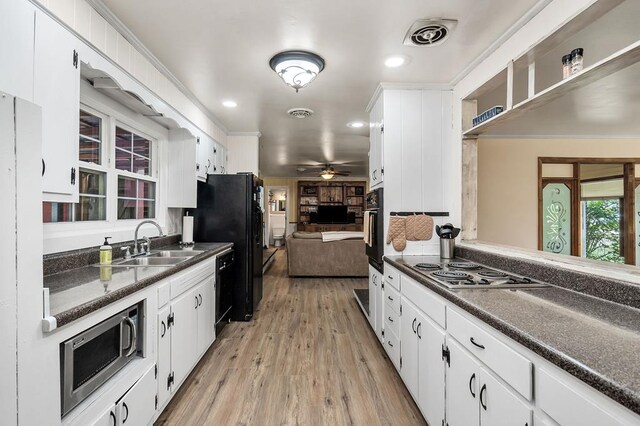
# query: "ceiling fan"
327, 172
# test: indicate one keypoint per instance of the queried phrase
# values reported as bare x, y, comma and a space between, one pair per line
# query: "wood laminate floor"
308, 358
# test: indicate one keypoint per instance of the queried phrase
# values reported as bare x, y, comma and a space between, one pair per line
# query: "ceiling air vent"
300, 112
429, 32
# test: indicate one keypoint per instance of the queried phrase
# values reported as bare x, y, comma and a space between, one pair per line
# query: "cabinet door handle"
112, 415
390, 277
471, 381
418, 331
476, 343
43, 167
164, 329
200, 302
390, 344
413, 325
482, 391
390, 319
73, 176
196, 307
124, 405
390, 298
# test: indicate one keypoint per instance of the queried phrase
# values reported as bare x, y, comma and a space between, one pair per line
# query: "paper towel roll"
187, 229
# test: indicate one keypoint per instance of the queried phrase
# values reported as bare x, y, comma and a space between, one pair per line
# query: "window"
124, 159
133, 152
92, 203
136, 198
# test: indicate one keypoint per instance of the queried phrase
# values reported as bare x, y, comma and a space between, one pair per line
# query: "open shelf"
590, 76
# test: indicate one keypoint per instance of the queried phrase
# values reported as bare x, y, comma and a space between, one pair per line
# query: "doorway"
277, 215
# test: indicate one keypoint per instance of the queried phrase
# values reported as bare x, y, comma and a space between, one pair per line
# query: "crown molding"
123, 30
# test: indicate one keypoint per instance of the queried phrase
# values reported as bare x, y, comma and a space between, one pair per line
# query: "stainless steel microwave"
89, 359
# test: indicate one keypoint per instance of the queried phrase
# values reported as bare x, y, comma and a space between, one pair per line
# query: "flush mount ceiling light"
297, 68
355, 124
230, 104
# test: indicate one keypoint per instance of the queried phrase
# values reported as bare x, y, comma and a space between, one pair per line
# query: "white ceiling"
221, 49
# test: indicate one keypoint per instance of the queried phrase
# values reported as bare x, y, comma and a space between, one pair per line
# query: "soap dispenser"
106, 252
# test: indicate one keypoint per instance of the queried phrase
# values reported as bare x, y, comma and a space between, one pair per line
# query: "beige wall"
508, 182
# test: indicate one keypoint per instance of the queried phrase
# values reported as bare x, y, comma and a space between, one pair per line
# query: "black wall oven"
89, 359
375, 250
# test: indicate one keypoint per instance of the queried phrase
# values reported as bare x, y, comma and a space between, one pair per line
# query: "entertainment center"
330, 206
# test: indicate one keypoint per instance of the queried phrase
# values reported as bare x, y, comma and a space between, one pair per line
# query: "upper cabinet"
16, 38
376, 144
182, 170
56, 88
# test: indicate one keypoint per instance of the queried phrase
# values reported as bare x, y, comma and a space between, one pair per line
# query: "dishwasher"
224, 288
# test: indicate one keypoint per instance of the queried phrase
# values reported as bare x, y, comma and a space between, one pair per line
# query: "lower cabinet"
475, 397
376, 304
136, 407
186, 328
422, 368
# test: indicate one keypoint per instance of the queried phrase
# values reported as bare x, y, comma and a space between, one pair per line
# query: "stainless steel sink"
175, 253
151, 261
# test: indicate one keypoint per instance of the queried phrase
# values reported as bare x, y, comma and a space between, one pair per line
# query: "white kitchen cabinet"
184, 335
376, 144
205, 164
206, 317
462, 406
182, 190
186, 329
475, 397
138, 405
373, 289
422, 368
431, 370
164, 355
56, 89
499, 406
16, 48
107, 418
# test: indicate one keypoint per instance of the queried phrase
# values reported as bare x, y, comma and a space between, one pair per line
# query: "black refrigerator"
229, 210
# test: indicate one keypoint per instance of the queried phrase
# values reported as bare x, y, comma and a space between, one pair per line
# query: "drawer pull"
413, 325
390, 344
471, 380
390, 319
484, 405
476, 344
390, 277
390, 298
418, 330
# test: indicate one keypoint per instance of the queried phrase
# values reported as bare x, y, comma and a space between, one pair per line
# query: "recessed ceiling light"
230, 104
355, 124
395, 61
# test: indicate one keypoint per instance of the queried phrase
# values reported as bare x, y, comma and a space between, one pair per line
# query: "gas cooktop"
462, 274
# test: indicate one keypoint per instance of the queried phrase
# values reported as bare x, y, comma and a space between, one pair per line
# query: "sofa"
309, 256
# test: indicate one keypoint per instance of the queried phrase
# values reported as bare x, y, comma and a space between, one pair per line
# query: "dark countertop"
79, 292
595, 340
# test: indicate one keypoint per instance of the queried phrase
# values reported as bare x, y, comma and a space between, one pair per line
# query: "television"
332, 214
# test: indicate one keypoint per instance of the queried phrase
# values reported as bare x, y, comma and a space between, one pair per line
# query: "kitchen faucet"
147, 240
